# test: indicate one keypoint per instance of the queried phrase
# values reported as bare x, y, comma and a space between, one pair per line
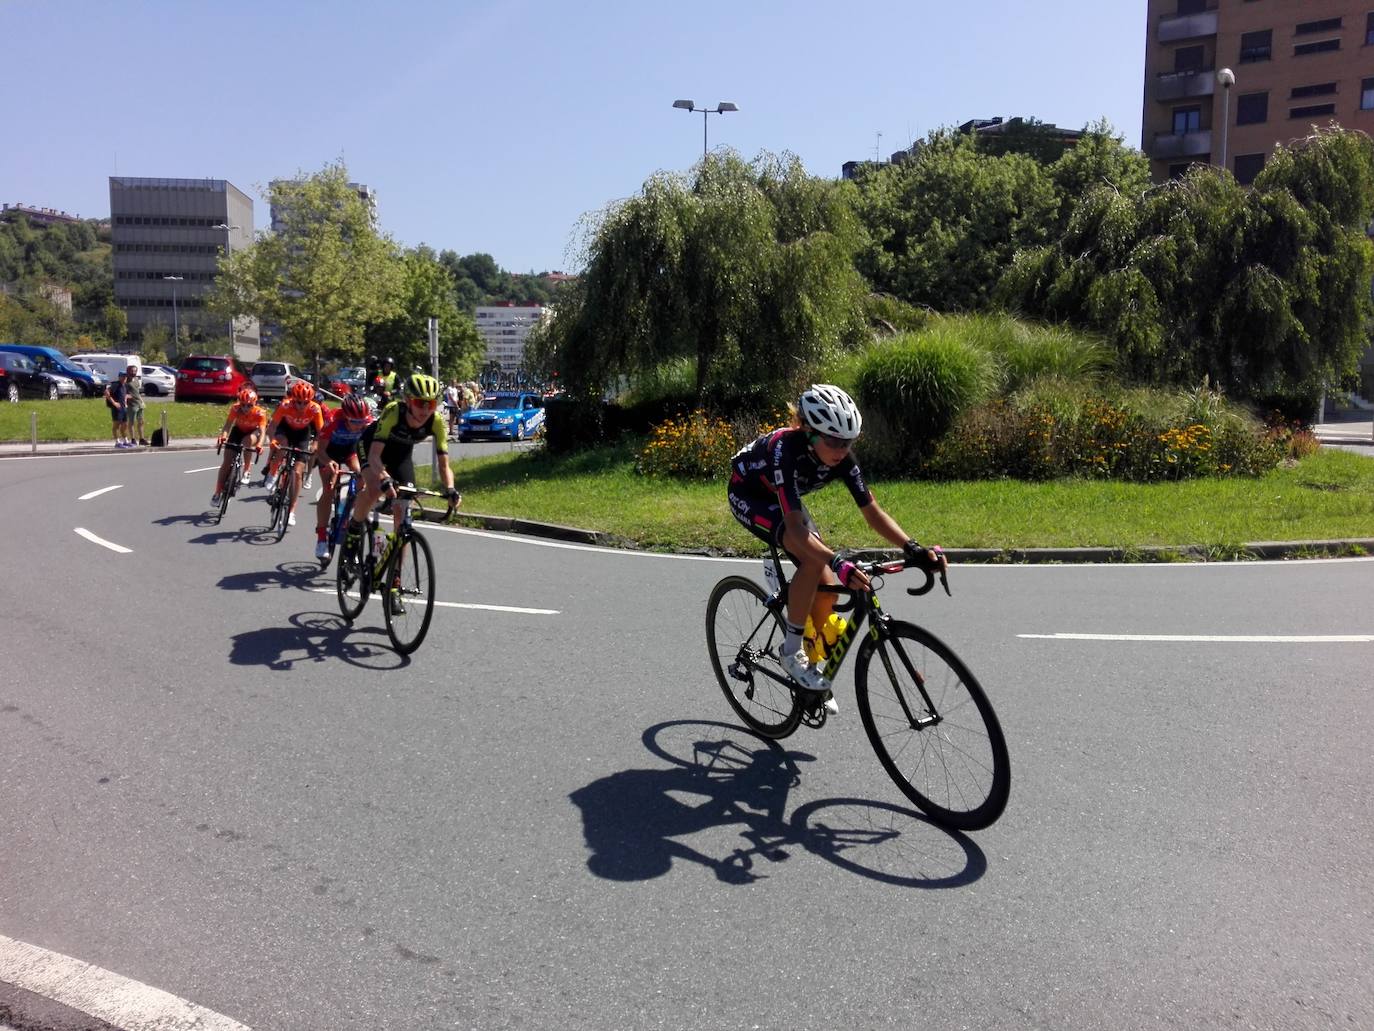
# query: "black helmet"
388, 360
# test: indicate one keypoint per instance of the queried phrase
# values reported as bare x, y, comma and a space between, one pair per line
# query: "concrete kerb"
1252, 551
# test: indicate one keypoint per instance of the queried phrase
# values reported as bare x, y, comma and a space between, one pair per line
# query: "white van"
109, 365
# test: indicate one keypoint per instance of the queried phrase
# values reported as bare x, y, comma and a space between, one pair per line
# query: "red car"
210, 377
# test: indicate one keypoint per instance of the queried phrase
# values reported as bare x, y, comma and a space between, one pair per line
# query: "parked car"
271, 379
157, 381
210, 377
108, 364
20, 377
50, 359
512, 416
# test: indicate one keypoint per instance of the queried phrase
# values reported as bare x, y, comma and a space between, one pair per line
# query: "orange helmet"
301, 391
248, 396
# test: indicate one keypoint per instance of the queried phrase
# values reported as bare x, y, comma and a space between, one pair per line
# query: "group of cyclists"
373, 443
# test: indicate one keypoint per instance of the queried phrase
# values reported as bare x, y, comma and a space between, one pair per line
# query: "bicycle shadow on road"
194, 518
634, 820
299, 575
312, 637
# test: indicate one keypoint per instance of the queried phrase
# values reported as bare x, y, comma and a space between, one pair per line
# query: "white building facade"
505, 328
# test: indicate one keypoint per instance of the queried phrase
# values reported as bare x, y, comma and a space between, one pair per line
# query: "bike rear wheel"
408, 594
955, 768
744, 639
354, 574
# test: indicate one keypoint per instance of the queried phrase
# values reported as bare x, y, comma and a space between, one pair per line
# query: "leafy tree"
1028, 136
325, 277
744, 267
154, 343
116, 323
427, 290
944, 225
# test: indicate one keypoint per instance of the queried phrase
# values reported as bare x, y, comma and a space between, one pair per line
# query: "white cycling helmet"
828, 409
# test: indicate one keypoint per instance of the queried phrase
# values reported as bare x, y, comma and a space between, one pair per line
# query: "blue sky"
497, 126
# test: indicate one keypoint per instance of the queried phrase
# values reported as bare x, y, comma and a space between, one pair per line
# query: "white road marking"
127, 1004
1214, 638
202, 469
97, 493
463, 605
117, 548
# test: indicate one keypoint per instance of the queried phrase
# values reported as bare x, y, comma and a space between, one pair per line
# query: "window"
1320, 47
1320, 89
1252, 108
1187, 119
1188, 59
1256, 46
1367, 95
1312, 110
1369, 30
1307, 28
1191, 6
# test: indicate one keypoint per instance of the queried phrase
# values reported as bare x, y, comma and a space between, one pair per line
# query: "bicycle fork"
916, 722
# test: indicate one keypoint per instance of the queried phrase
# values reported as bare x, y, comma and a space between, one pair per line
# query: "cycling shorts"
238, 433
297, 438
339, 452
763, 518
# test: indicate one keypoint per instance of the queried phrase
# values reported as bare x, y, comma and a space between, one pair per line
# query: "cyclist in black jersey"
387, 447
767, 481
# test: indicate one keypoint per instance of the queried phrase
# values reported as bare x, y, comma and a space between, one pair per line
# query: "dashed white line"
1214, 638
202, 469
464, 605
113, 998
97, 493
117, 548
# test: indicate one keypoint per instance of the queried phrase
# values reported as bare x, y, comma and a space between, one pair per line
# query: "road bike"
345, 490
401, 563
231, 482
925, 714
279, 493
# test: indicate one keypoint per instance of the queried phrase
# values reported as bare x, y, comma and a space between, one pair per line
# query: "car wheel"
463, 438
52, 392
151, 390
520, 432
12, 394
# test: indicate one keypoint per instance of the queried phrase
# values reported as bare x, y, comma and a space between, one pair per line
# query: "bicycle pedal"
814, 716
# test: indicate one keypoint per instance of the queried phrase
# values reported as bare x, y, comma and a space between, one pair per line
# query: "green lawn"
1327, 496
88, 418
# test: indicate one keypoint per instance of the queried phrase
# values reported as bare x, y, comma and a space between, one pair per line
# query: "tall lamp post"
691, 107
228, 229
176, 327
1227, 79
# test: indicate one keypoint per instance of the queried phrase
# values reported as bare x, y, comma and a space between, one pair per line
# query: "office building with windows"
1291, 66
505, 328
168, 235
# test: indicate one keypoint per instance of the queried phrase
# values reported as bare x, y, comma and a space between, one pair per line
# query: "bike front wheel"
354, 575
933, 728
744, 639
409, 594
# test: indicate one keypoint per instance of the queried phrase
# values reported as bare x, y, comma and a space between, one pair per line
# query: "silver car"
270, 379
157, 381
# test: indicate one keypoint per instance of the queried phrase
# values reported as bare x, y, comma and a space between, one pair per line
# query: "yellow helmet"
423, 386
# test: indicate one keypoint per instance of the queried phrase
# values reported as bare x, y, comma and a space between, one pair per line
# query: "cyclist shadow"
194, 518
634, 820
312, 637
300, 575
244, 535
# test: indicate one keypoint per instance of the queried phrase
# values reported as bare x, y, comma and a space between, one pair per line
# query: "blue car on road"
507, 416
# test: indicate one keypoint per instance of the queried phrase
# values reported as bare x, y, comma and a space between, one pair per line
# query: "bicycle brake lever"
944, 582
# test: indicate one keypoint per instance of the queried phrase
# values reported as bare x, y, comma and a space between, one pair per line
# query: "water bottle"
812, 643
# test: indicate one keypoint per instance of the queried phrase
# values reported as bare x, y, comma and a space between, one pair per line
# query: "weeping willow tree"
1264, 291
745, 268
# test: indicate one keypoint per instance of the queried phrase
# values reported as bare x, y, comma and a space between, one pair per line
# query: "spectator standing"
133, 406
453, 401
115, 396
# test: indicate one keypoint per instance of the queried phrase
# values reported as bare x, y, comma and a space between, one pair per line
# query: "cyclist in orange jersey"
295, 423
243, 425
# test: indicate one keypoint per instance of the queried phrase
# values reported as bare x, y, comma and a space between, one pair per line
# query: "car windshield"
269, 369
206, 364
499, 403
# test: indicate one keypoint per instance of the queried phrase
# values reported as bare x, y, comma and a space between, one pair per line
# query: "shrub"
572, 424
914, 387
696, 446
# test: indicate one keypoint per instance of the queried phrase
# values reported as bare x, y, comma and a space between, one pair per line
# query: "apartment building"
168, 235
1226, 81
505, 328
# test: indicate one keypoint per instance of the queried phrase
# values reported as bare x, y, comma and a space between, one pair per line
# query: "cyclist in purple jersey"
767, 481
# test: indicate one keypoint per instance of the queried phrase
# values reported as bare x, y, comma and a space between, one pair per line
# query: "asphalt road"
212, 786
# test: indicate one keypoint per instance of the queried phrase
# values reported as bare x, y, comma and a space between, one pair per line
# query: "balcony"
1170, 146
1181, 85
1187, 26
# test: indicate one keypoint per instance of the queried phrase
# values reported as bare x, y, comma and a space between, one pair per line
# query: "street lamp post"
1227, 79
176, 327
228, 230
691, 107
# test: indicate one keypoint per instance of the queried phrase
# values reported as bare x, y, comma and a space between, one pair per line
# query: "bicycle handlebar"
922, 562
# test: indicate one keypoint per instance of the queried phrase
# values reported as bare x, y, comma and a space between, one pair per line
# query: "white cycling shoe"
321, 549
290, 518
800, 669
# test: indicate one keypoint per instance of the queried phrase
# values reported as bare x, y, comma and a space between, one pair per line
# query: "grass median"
88, 419
1328, 496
